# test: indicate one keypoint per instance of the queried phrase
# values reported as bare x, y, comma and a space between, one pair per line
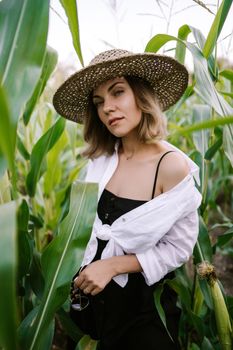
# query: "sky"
130, 24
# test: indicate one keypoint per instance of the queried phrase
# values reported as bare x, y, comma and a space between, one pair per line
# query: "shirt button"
123, 219
106, 215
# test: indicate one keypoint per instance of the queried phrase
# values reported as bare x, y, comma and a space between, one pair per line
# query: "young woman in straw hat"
146, 224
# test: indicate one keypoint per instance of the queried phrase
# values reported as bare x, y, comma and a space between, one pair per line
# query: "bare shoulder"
173, 169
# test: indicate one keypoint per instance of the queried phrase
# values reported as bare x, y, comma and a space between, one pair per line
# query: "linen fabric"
161, 232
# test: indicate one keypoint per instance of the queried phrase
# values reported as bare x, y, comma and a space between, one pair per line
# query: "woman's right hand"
94, 278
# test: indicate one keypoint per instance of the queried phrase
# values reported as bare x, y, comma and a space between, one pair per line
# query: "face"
116, 106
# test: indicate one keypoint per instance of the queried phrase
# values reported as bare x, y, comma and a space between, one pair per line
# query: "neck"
131, 147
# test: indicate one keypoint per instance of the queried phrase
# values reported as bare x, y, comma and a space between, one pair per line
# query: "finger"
87, 290
84, 285
96, 291
82, 277
78, 281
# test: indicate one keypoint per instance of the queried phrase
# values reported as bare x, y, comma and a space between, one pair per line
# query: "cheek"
137, 114
133, 107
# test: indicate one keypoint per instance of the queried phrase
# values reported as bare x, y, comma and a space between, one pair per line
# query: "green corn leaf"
21, 148
207, 91
69, 326
35, 275
25, 324
213, 149
203, 248
200, 39
40, 150
157, 295
225, 238
206, 344
204, 86
71, 10
8, 265
181, 289
23, 36
3, 163
229, 300
49, 63
227, 73
198, 324
183, 33
62, 258
205, 125
46, 342
173, 110
201, 113
53, 174
86, 343
228, 142
25, 244
205, 289
197, 298
5, 194
228, 94
216, 27
194, 346
7, 132
159, 40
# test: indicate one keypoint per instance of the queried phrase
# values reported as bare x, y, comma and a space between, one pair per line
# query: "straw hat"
167, 77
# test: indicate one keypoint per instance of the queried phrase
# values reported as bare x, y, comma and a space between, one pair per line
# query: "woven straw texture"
167, 77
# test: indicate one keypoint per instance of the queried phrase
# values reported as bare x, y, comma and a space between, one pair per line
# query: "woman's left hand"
94, 278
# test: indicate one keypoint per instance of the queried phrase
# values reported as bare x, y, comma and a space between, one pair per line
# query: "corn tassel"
207, 271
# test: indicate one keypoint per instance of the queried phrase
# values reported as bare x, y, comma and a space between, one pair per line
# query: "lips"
114, 120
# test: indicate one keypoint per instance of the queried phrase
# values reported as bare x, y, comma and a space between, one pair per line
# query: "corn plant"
46, 214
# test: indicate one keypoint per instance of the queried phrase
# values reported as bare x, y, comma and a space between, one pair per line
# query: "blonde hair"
152, 127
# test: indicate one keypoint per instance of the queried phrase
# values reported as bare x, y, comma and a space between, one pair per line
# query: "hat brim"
167, 77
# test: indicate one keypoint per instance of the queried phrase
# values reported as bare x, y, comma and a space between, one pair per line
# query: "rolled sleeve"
173, 250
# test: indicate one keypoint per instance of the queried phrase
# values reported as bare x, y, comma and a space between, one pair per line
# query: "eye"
118, 92
97, 103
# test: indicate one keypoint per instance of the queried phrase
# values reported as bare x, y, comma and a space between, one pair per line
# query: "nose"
108, 107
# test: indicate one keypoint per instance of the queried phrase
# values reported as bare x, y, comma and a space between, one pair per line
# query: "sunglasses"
79, 301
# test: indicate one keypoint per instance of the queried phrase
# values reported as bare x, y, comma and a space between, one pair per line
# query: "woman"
146, 224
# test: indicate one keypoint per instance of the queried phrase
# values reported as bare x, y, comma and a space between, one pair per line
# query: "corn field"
46, 211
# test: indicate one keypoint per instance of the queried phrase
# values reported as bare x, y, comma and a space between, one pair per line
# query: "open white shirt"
161, 232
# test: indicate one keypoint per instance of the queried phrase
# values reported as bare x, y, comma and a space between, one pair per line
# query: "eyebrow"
109, 89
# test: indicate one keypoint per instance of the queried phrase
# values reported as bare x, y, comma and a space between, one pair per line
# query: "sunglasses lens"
78, 300
80, 303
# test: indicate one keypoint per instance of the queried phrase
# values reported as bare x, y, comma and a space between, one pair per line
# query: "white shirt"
161, 232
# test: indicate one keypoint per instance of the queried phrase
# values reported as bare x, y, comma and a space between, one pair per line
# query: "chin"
119, 134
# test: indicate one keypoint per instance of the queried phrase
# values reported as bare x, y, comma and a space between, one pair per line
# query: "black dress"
126, 318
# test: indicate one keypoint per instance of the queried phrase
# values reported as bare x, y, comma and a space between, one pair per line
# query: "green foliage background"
46, 214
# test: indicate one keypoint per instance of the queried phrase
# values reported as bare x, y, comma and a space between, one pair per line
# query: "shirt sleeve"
173, 250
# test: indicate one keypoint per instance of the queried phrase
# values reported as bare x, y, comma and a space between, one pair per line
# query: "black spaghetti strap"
157, 171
